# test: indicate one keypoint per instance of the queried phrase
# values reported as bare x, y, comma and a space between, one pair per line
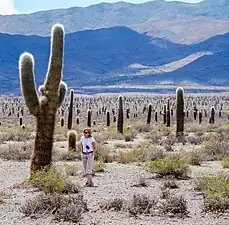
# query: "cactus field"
161, 159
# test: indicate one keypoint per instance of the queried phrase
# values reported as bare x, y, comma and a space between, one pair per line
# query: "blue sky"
27, 6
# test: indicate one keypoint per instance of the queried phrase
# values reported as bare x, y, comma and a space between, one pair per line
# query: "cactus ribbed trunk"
42, 155
180, 111
120, 115
44, 107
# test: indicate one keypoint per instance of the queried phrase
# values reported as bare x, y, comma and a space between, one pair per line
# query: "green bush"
51, 180
170, 166
216, 192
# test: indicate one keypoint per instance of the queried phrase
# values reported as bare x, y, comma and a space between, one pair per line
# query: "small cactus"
72, 136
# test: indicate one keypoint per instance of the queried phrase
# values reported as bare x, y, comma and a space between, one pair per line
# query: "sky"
8, 7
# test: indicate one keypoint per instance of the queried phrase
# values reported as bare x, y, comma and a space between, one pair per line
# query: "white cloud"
7, 7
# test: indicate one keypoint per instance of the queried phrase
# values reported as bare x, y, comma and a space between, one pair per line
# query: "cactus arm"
54, 74
28, 87
62, 92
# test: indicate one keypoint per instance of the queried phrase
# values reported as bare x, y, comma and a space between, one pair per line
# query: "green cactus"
180, 111
20, 121
200, 117
164, 114
62, 121
212, 117
77, 120
108, 119
89, 118
120, 115
71, 135
149, 114
44, 108
168, 113
70, 112
155, 116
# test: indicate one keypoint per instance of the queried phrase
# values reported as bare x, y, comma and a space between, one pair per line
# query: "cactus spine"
180, 111
70, 112
120, 115
44, 108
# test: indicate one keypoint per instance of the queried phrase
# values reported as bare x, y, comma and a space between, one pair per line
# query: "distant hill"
176, 21
114, 56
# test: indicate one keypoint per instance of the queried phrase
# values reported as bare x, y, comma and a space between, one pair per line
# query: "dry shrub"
216, 146
62, 207
170, 184
142, 204
105, 155
140, 183
141, 128
66, 156
194, 157
17, 151
113, 204
140, 154
225, 162
15, 133
175, 205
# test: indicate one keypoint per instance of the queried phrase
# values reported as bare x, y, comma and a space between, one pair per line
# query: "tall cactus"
44, 108
149, 114
164, 114
168, 113
180, 111
108, 119
120, 115
212, 117
70, 112
89, 118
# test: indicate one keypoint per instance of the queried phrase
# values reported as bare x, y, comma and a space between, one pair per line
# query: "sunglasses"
85, 132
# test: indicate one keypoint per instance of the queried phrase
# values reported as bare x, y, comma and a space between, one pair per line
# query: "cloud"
7, 7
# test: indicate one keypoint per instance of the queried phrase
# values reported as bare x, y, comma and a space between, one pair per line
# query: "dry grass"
17, 151
62, 207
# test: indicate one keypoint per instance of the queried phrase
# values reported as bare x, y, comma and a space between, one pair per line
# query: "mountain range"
112, 46
176, 21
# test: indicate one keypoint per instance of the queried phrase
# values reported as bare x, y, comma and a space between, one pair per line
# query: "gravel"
116, 182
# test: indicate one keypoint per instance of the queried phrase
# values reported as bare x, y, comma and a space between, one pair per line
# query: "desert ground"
146, 175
